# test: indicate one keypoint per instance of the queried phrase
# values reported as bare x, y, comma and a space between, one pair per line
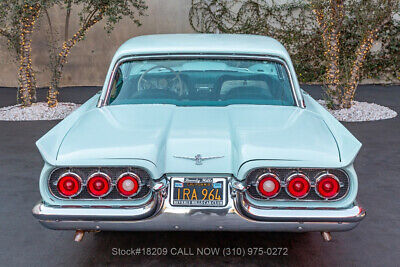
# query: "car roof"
202, 43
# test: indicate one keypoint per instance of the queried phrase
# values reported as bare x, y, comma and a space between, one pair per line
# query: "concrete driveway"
374, 242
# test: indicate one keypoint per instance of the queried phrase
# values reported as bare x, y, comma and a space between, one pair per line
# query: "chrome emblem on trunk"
199, 159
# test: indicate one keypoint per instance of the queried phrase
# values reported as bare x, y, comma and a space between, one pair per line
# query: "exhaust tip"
326, 236
79, 235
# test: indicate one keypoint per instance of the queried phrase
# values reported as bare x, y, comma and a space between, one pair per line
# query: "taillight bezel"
112, 171
344, 176
293, 176
320, 178
265, 175
77, 177
104, 175
133, 175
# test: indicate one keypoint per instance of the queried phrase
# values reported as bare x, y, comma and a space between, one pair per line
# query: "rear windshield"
201, 82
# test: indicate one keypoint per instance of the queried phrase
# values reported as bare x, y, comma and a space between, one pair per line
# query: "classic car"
199, 132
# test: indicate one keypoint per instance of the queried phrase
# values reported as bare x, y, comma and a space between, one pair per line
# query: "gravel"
38, 111
361, 111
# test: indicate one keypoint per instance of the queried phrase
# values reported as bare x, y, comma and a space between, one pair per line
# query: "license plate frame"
216, 183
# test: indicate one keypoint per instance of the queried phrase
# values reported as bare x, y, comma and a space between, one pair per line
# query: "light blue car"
196, 132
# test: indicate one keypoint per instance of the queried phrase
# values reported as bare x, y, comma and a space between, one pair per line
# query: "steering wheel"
177, 76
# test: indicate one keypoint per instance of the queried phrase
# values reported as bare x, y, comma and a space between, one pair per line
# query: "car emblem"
199, 159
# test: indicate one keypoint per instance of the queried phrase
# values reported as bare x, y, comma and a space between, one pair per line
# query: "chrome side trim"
104, 102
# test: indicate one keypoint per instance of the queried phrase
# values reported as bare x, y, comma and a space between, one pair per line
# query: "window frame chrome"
105, 101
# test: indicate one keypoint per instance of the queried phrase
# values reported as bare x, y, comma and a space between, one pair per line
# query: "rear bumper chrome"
159, 215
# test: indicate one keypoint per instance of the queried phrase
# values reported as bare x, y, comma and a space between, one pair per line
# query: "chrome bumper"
159, 215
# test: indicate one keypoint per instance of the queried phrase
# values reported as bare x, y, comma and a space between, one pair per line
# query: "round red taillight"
298, 186
69, 185
98, 185
327, 186
128, 184
268, 185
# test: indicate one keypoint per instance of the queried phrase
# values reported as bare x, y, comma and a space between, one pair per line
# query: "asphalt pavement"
374, 242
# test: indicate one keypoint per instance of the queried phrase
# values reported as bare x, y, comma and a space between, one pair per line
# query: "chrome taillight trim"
262, 176
84, 172
134, 175
288, 179
108, 178
291, 171
319, 178
76, 176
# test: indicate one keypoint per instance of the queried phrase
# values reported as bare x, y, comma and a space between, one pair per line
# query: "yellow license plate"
198, 192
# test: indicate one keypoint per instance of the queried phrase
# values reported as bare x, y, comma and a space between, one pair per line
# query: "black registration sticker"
198, 192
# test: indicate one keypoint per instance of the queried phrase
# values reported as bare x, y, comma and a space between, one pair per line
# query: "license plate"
198, 192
